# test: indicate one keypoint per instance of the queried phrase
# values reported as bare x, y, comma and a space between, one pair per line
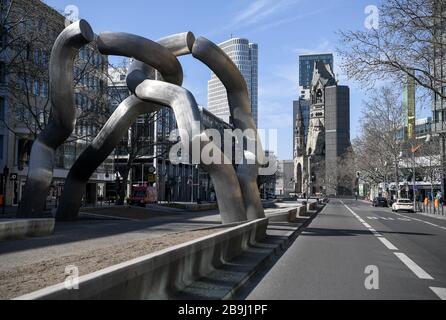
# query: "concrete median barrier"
288, 215
21, 228
160, 275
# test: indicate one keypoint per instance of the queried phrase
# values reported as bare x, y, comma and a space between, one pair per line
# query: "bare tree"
409, 41
27, 39
380, 143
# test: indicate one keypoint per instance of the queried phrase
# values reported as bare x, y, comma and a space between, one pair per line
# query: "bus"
142, 195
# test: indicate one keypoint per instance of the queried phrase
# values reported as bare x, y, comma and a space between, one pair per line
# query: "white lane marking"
416, 269
440, 292
419, 272
387, 243
426, 222
367, 225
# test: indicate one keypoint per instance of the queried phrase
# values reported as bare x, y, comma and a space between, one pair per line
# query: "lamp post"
309, 177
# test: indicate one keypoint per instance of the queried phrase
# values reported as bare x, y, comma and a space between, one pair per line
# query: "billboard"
409, 106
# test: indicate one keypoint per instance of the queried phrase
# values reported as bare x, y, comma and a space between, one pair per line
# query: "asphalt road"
354, 251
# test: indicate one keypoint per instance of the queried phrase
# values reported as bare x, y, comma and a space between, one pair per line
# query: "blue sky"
282, 28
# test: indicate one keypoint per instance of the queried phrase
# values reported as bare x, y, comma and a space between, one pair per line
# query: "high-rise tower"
245, 56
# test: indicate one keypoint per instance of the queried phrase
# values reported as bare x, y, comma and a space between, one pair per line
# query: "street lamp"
414, 149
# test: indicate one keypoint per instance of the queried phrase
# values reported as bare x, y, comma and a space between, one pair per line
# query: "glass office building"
245, 56
306, 66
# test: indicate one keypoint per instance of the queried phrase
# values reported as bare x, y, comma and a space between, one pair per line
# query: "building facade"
285, 178
29, 31
322, 164
245, 56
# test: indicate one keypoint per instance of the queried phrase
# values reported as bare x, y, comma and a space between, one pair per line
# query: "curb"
263, 253
282, 247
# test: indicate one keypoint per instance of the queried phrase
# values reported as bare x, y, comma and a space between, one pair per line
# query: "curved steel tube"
178, 44
153, 55
63, 117
187, 114
224, 178
142, 49
228, 73
96, 153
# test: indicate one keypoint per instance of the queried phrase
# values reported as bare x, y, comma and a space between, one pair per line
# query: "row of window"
86, 103
34, 86
88, 54
88, 80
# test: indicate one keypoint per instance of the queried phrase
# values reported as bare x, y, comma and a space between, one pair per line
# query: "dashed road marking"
416, 269
440, 292
426, 222
419, 272
387, 243
389, 219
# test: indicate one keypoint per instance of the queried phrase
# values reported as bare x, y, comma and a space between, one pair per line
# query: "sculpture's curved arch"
97, 152
233, 205
187, 114
153, 55
228, 73
142, 49
230, 200
178, 44
62, 120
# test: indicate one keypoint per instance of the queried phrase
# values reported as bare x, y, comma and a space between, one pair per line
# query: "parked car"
380, 202
403, 204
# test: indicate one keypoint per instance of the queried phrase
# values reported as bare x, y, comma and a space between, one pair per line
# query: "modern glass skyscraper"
306, 68
245, 56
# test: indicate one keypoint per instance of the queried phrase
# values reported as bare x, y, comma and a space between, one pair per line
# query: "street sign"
13, 177
152, 178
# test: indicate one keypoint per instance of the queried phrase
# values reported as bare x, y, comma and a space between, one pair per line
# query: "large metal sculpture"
63, 117
236, 189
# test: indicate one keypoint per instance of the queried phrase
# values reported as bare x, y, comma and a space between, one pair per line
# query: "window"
2, 72
36, 88
2, 108
1, 146
44, 89
36, 56
43, 55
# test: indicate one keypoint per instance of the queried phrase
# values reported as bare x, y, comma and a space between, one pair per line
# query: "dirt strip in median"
34, 276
